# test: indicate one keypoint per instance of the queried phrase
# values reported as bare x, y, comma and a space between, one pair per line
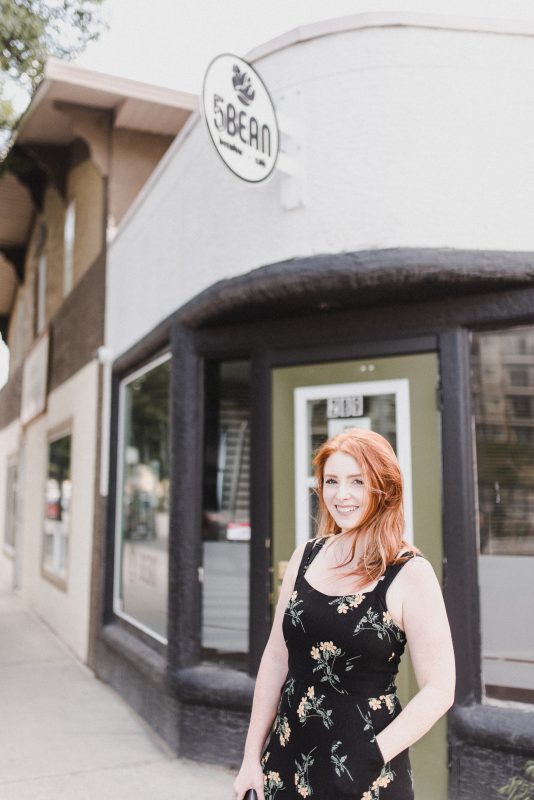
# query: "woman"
327, 675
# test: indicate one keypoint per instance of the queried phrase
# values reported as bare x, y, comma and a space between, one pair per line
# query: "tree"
32, 30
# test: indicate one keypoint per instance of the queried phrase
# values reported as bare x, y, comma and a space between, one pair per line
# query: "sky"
171, 42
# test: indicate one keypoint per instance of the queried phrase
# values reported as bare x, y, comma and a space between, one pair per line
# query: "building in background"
81, 154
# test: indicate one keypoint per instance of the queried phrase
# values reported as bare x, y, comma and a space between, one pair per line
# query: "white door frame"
400, 387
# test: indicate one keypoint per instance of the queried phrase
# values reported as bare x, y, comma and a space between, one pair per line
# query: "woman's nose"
342, 490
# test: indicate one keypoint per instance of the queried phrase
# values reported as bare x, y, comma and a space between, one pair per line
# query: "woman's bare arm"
272, 670
429, 638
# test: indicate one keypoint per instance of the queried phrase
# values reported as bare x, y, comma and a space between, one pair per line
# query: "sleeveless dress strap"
391, 572
311, 549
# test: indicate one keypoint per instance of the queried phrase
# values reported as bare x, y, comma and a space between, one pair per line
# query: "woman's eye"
330, 480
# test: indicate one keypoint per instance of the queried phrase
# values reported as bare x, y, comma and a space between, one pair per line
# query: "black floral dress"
339, 693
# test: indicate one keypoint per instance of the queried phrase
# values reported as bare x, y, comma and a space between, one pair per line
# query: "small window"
142, 527
504, 434
68, 247
41, 294
11, 505
58, 490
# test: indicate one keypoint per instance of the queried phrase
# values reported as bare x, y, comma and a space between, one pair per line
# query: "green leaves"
33, 30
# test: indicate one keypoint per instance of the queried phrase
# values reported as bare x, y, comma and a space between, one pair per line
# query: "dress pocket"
376, 752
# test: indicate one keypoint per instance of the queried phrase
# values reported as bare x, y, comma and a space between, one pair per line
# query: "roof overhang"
49, 122
134, 105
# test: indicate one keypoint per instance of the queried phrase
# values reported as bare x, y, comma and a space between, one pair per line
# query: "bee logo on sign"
240, 117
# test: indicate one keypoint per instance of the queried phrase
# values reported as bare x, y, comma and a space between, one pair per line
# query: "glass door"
397, 397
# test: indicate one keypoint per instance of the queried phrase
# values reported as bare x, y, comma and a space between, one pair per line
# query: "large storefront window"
141, 555
58, 489
226, 516
503, 401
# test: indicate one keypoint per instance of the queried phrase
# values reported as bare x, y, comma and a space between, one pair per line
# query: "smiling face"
344, 492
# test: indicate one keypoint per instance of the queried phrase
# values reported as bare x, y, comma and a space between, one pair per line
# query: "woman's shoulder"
416, 571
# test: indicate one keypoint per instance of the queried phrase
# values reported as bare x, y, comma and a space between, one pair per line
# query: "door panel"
398, 398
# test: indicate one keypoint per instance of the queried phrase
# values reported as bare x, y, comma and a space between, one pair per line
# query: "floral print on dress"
302, 778
293, 611
347, 601
384, 628
288, 691
386, 776
387, 699
339, 761
282, 729
310, 706
325, 655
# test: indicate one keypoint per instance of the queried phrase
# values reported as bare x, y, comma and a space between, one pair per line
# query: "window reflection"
503, 403
58, 490
226, 517
142, 555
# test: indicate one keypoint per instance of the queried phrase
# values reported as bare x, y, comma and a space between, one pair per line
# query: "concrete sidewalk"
64, 735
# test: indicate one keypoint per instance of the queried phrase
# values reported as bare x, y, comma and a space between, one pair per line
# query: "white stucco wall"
66, 612
9, 446
412, 137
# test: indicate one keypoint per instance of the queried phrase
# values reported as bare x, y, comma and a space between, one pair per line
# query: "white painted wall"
412, 136
9, 445
67, 613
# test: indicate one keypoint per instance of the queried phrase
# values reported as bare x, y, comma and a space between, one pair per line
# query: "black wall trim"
499, 728
459, 513
370, 277
185, 545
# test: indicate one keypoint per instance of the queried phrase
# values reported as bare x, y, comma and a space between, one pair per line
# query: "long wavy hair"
383, 518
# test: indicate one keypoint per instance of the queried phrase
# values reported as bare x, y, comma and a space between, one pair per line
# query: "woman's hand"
250, 776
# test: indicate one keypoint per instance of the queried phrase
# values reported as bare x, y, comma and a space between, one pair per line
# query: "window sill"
220, 687
144, 658
205, 685
494, 727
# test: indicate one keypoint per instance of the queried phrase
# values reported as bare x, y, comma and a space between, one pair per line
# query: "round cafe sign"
240, 117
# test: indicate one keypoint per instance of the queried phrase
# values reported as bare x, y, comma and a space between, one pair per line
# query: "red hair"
383, 518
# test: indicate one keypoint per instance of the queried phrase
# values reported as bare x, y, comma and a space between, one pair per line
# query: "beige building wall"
20, 335
67, 610
9, 446
135, 154
54, 218
85, 186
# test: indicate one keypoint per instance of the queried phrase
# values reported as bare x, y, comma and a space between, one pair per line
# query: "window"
226, 515
40, 317
11, 505
68, 247
142, 539
58, 490
504, 444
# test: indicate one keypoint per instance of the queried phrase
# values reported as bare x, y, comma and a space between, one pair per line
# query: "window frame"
503, 327
53, 435
69, 227
12, 460
149, 365
40, 305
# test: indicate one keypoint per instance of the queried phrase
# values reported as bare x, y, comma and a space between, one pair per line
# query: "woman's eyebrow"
330, 475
